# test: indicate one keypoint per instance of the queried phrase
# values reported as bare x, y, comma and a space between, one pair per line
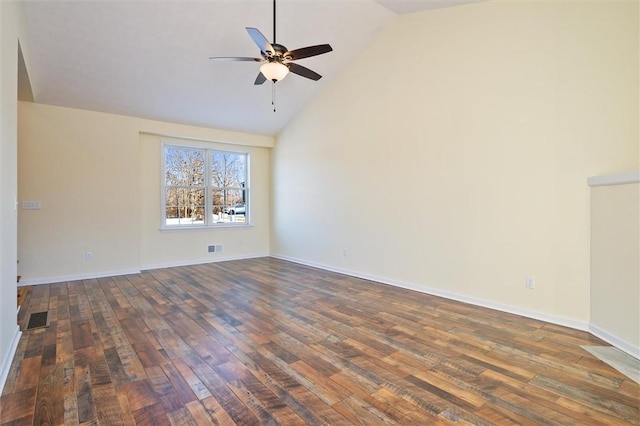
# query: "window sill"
206, 227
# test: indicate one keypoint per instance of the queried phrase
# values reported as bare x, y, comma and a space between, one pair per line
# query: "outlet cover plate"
530, 282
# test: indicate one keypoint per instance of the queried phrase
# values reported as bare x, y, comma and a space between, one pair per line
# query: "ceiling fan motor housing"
279, 52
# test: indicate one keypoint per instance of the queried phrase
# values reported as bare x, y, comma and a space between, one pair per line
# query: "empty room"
320, 212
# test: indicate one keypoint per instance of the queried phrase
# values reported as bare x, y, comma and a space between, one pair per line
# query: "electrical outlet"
215, 248
344, 252
530, 282
89, 255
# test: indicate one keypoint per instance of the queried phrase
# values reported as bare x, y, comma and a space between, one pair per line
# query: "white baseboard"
77, 277
541, 316
89, 276
212, 259
8, 358
623, 345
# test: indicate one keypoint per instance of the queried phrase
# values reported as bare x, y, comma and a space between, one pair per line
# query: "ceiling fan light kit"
274, 71
277, 60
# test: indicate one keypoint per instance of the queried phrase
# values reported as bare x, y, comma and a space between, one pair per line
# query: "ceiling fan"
278, 60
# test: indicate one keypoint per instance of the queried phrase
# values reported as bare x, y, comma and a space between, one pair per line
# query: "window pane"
171, 202
235, 197
184, 167
184, 206
228, 203
220, 200
171, 212
228, 170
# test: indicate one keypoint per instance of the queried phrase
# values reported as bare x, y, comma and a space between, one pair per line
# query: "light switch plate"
31, 205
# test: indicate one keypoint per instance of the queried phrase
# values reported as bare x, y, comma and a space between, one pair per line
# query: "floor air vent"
38, 320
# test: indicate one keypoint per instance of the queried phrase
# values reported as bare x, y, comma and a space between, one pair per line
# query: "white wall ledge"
617, 179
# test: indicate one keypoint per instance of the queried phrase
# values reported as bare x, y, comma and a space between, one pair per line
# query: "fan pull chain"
273, 96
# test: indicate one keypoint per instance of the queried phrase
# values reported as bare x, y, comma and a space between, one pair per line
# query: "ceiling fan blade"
260, 79
306, 52
260, 40
239, 59
303, 71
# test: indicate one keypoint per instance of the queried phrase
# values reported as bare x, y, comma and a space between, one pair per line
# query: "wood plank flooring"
264, 341
22, 293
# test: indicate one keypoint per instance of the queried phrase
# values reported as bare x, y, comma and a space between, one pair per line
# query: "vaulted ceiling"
149, 59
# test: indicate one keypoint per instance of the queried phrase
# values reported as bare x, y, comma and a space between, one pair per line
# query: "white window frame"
209, 223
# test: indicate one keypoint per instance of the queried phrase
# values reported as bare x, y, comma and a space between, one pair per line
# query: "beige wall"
184, 247
12, 31
98, 184
615, 269
452, 155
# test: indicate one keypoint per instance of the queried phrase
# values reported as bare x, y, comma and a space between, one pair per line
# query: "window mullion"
207, 191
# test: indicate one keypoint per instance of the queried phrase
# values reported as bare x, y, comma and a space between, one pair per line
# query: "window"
204, 187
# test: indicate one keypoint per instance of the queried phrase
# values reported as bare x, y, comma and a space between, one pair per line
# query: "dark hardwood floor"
264, 341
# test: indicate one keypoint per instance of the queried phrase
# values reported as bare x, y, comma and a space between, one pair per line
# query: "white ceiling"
149, 59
